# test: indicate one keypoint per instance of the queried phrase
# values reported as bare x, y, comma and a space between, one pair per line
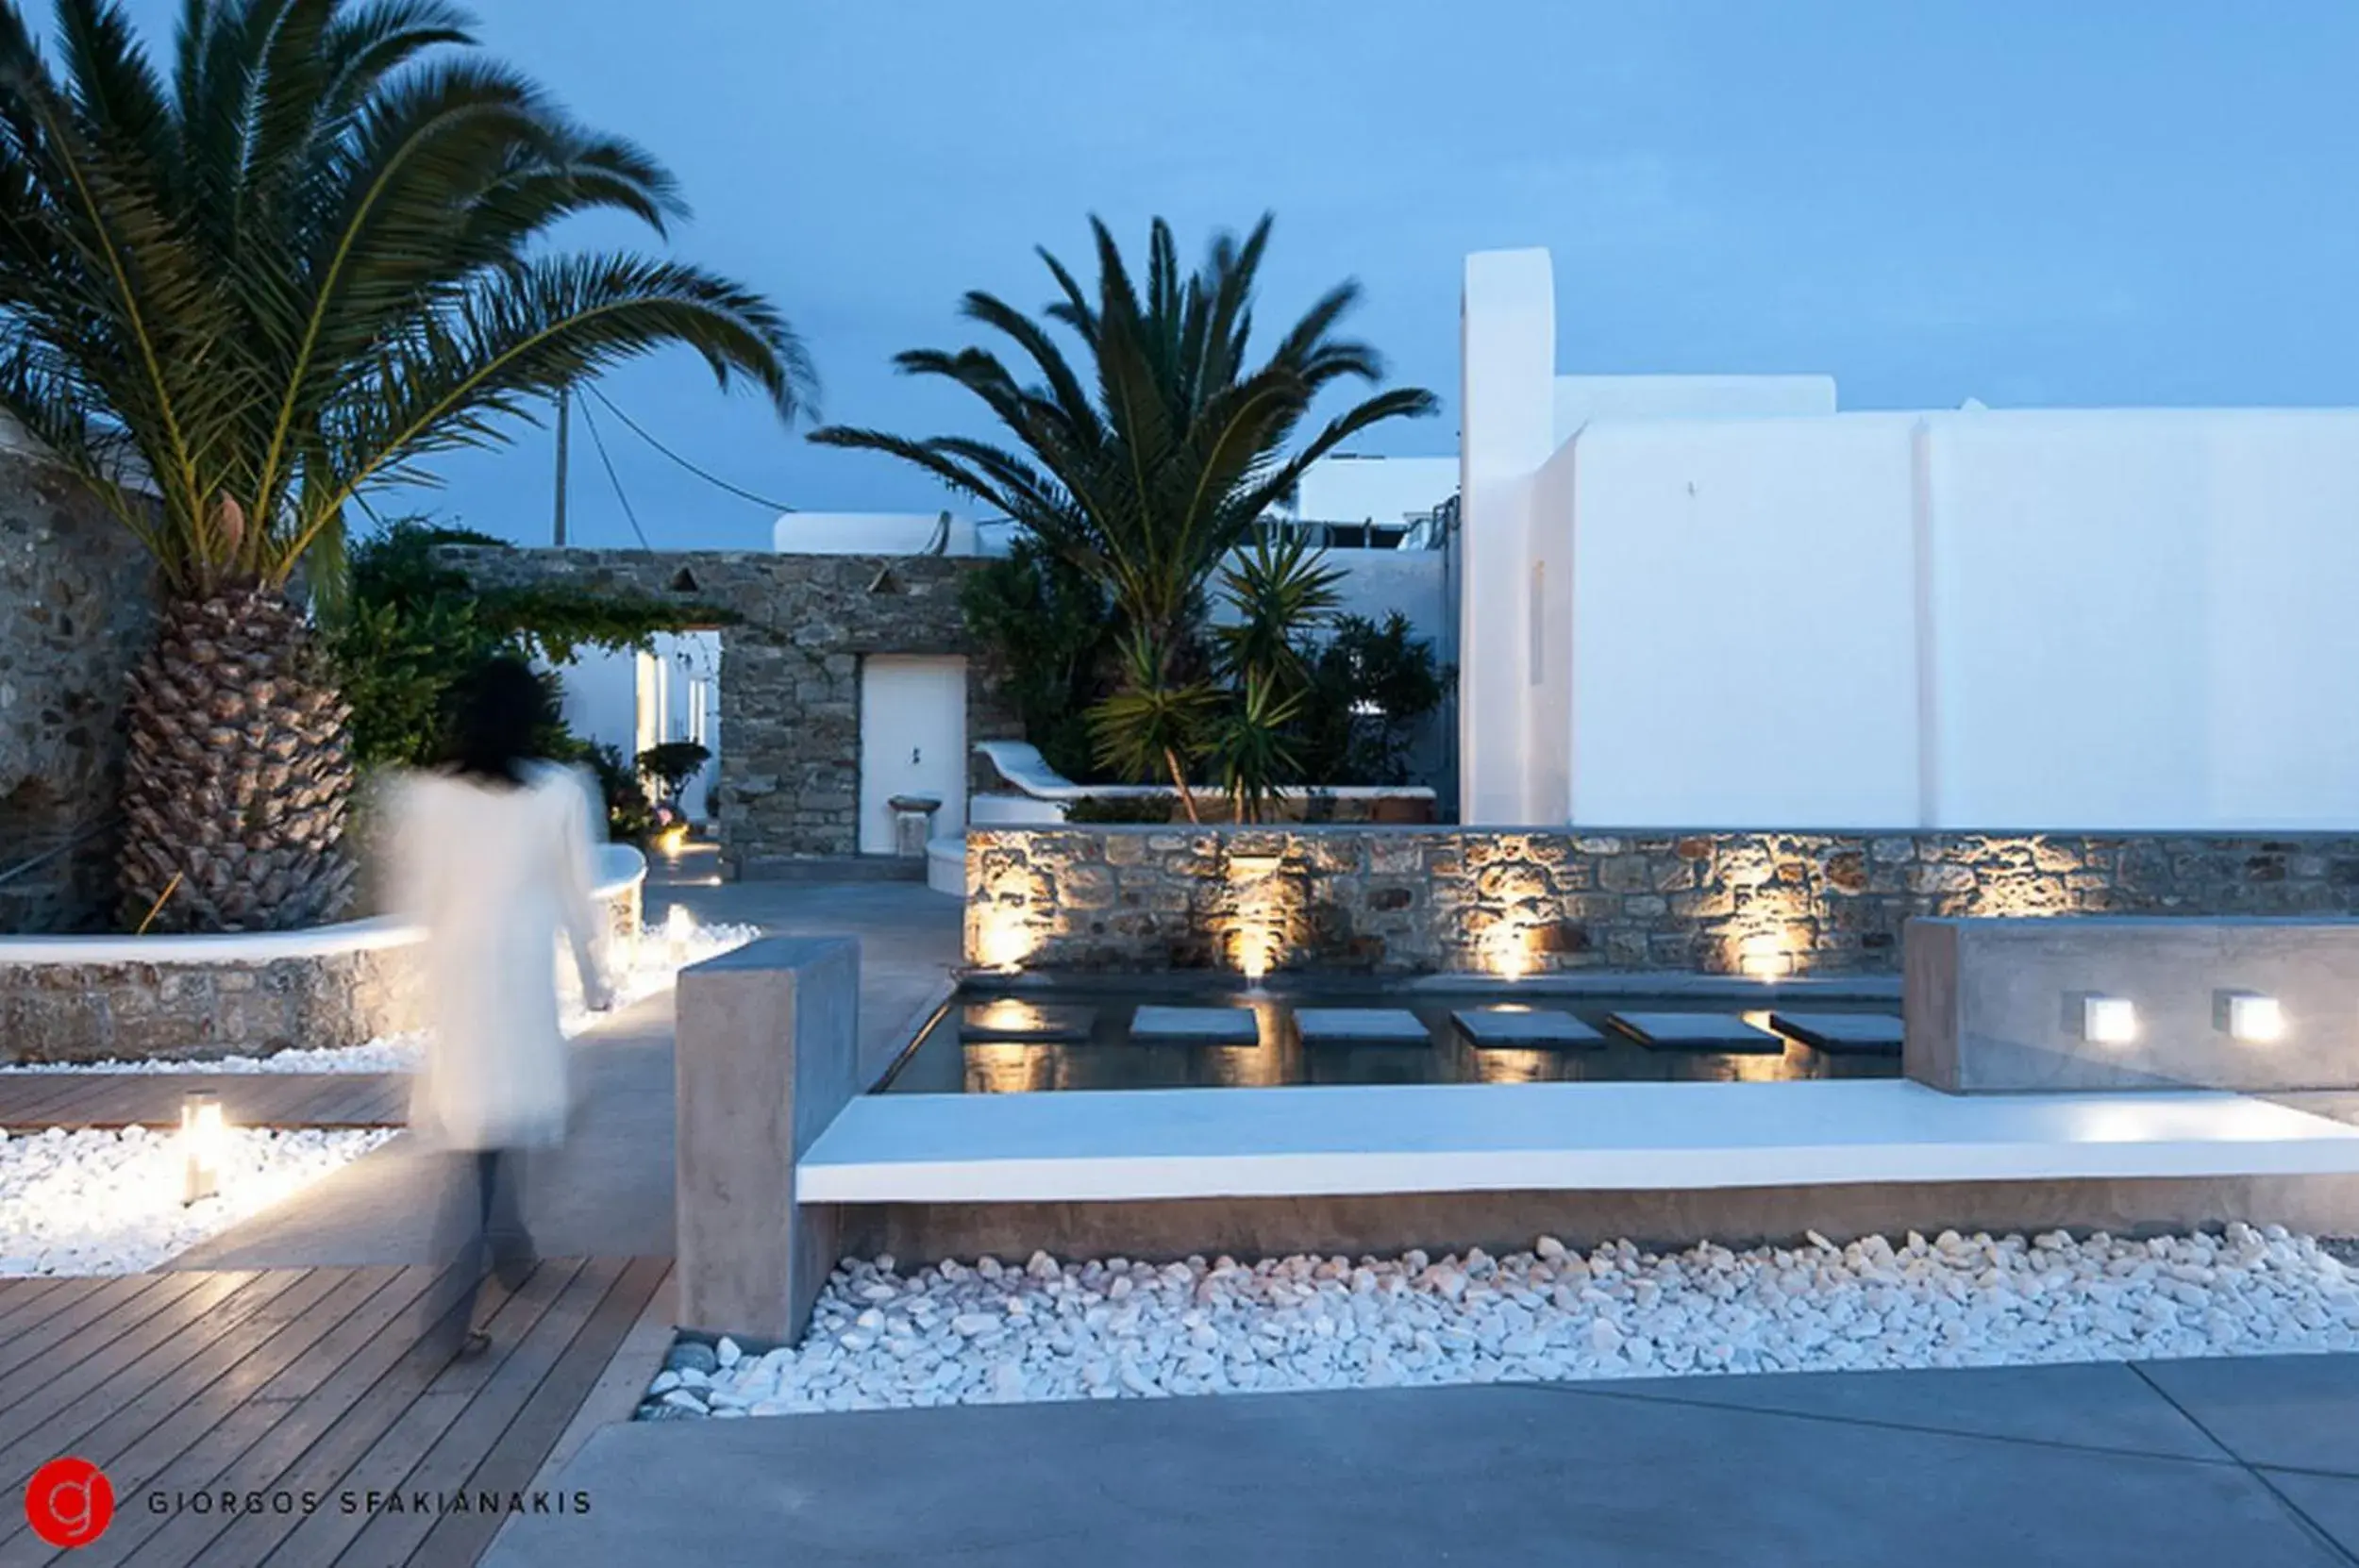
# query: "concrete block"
1712, 1032
767, 1053
1997, 1006
1170, 1025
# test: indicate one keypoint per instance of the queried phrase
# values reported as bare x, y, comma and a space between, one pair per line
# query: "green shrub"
1123, 808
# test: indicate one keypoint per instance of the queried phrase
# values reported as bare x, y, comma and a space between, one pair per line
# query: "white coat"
496, 875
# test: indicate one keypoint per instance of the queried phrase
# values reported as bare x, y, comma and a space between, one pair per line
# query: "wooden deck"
332, 1382
248, 1099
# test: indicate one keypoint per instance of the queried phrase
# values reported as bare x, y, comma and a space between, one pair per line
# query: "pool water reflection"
1044, 1041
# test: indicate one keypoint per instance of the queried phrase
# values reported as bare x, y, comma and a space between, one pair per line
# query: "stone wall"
76, 602
790, 670
63, 1009
192, 1011
1434, 899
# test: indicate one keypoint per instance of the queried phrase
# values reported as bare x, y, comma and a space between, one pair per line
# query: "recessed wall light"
2253, 1018
2108, 1020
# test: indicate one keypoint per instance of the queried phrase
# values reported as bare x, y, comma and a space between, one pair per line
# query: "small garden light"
202, 1133
678, 926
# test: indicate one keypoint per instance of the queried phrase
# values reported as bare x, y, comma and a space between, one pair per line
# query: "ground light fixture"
2108, 1020
203, 1135
678, 926
2251, 1017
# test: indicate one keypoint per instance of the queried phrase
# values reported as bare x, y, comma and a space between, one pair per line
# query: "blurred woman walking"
493, 857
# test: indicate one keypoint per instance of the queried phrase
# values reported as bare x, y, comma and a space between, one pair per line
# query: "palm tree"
285, 277
1151, 478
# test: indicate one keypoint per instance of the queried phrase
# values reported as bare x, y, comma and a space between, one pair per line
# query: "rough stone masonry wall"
76, 602
1433, 899
790, 669
193, 1011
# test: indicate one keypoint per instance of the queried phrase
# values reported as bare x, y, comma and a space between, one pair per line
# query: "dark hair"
500, 713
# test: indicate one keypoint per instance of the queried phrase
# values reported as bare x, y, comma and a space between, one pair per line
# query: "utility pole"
564, 412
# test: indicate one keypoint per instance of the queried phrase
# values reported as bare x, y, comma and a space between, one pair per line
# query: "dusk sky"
2100, 202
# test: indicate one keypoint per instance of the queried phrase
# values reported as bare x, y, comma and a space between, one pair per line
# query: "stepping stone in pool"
1524, 1029
1712, 1032
1842, 1034
1163, 1025
1008, 1021
1361, 1027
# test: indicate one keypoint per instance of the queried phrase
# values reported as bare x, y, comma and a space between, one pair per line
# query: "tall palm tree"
308, 261
1149, 479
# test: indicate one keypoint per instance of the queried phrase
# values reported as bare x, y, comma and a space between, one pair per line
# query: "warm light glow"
1002, 940
203, 1135
2255, 1019
2108, 1020
1763, 955
1008, 1016
673, 840
678, 926
1009, 1067
1257, 926
1508, 949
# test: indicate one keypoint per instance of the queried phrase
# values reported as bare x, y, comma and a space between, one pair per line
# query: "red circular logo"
70, 1502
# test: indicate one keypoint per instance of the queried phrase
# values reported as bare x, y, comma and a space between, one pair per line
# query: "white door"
912, 741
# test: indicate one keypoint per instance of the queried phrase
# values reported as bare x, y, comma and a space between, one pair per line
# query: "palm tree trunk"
1179, 782
237, 774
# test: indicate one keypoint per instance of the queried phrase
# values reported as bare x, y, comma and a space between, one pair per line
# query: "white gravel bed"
655, 972
1000, 1333
84, 1203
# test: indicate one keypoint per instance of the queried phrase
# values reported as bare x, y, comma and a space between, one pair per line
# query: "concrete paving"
2253, 1463
608, 1192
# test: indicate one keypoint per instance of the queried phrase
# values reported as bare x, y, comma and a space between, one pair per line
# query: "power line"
615, 480
706, 475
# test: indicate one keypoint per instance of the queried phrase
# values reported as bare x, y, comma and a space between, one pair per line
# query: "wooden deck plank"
137, 1440
212, 1387
314, 1388
469, 1442
513, 1459
27, 1301
61, 1106
91, 1321
112, 1100
55, 1412
374, 1443
161, 1393
23, 1094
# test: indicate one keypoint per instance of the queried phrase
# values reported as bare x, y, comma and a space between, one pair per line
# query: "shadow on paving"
2081, 1464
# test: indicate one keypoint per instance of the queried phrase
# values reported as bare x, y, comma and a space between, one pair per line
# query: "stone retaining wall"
194, 1010
1435, 899
76, 602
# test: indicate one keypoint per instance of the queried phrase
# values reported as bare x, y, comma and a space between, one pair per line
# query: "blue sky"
2029, 202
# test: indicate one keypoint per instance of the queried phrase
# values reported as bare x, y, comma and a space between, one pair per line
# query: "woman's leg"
511, 1248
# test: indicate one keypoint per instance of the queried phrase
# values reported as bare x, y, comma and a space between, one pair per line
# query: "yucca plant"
1252, 749
1151, 471
1280, 590
289, 273
1154, 723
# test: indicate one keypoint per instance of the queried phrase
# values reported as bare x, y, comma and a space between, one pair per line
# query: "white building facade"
1744, 609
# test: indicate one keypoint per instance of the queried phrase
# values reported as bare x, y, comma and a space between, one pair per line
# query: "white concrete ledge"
619, 867
1020, 764
1454, 1137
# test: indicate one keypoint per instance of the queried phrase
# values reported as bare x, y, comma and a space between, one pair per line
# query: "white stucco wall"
602, 702
2142, 619
1739, 637
2055, 619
